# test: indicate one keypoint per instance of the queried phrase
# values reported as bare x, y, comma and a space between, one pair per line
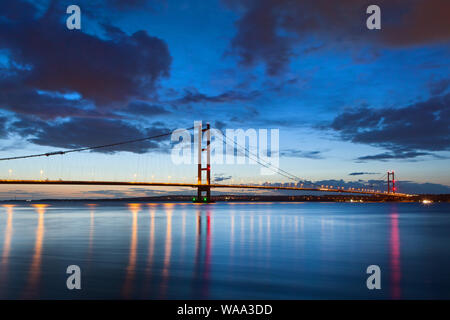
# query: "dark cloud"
393, 155
301, 154
407, 132
70, 89
361, 173
257, 37
221, 177
248, 113
219, 125
122, 5
193, 96
105, 71
22, 100
269, 30
85, 132
3, 129
425, 21
15, 10
440, 86
279, 85
128, 3
144, 109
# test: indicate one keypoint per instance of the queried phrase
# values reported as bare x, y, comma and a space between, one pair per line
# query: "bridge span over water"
193, 185
203, 185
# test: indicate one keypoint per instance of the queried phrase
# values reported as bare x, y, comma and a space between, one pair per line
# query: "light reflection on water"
131, 268
35, 268
151, 248
6, 244
91, 228
395, 255
240, 250
8, 234
167, 250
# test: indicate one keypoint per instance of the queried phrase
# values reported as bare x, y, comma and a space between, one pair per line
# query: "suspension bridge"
203, 184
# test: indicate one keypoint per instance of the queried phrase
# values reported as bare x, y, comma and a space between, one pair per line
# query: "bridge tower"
391, 181
203, 190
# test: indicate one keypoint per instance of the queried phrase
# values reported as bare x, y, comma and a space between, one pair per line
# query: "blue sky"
345, 99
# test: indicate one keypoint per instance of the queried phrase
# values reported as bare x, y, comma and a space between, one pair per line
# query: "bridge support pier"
203, 190
203, 194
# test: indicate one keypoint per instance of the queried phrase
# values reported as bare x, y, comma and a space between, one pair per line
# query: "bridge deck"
165, 184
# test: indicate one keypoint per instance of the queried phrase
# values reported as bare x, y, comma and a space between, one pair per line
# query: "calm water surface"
225, 250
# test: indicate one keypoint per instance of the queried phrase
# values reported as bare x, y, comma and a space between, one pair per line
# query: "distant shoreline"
253, 198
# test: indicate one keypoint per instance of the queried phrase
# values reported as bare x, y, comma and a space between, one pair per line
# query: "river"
225, 250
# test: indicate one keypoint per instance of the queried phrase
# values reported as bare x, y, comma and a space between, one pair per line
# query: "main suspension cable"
48, 154
266, 164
